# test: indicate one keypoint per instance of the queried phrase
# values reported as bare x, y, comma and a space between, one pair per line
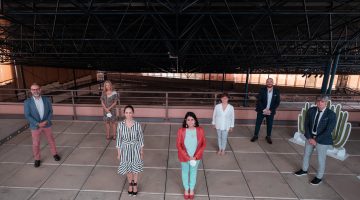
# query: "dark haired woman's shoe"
191, 196
130, 193
134, 193
186, 196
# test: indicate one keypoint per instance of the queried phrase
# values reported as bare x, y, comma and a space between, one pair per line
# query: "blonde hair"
109, 82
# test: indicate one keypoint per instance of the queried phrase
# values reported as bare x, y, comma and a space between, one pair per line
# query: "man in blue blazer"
38, 111
268, 100
319, 123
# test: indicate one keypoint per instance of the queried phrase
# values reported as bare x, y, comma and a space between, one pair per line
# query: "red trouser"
36, 141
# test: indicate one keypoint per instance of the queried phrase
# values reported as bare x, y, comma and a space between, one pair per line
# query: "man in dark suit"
319, 124
38, 112
268, 100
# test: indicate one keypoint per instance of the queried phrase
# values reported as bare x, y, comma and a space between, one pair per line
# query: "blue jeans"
189, 171
222, 138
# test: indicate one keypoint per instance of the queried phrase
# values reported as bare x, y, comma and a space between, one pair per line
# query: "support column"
326, 78
222, 82
24, 86
16, 73
209, 81
333, 72
23, 77
247, 87
75, 84
1, 7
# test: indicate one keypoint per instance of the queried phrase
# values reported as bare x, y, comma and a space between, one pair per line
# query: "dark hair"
190, 114
224, 95
129, 106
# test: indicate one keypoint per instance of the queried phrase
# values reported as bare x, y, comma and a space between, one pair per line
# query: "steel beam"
210, 13
55, 17
307, 19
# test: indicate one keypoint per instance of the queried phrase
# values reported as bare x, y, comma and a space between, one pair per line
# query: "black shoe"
57, 157
315, 181
300, 173
37, 163
135, 193
254, 138
130, 193
268, 139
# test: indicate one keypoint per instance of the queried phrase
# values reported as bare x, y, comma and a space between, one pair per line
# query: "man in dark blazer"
38, 112
319, 123
268, 100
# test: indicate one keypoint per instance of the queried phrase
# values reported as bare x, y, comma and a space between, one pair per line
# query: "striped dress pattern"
130, 141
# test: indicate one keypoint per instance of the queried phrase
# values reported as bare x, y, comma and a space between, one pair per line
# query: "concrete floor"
9, 127
247, 171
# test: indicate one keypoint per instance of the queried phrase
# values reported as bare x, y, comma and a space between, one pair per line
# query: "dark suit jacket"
262, 100
32, 114
326, 125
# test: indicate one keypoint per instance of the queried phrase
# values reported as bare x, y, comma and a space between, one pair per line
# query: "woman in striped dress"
130, 149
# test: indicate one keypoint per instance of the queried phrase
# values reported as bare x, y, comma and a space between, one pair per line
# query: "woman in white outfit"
223, 121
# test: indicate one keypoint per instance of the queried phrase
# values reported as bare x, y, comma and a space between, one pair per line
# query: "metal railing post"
118, 92
247, 88
73, 105
119, 104
167, 106
215, 99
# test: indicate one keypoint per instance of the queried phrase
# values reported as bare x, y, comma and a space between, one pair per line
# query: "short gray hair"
35, 85
323, 98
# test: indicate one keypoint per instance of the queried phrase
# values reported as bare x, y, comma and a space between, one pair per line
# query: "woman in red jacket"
190, 144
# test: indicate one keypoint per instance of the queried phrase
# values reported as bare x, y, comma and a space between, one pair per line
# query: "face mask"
193, 163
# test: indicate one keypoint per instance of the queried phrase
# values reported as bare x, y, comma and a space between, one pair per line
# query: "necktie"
316, 120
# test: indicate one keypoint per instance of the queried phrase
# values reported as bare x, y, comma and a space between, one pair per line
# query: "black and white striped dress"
130, 141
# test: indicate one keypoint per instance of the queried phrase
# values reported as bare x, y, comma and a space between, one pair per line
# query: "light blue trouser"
321, 155
186, 171
222, 138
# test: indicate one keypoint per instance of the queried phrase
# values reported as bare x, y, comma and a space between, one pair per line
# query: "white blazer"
223, 119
